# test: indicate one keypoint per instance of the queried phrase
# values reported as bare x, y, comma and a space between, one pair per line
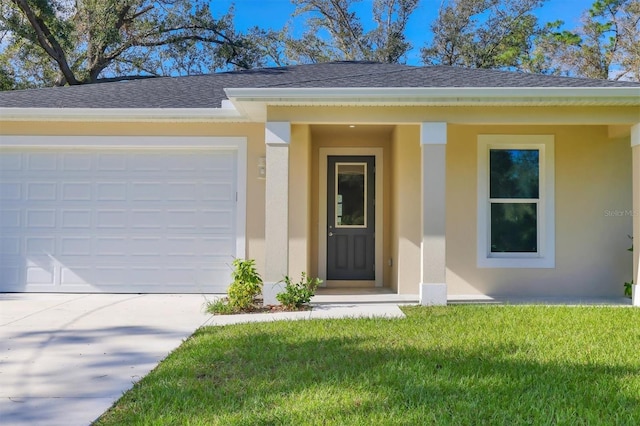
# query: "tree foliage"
483, 34
605, 45
334, 31
61, 42
58, 42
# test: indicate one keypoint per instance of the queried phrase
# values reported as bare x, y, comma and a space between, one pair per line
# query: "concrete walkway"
65, 358
320, 311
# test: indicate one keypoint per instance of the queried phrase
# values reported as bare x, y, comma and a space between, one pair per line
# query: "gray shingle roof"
207, 91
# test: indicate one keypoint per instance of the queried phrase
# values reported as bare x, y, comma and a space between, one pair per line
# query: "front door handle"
331, 234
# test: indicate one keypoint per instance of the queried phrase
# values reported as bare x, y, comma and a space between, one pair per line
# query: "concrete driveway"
65, 358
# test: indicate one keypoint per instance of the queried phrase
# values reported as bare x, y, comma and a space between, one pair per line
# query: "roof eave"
249, 104
227, 113
534, 96
254, 101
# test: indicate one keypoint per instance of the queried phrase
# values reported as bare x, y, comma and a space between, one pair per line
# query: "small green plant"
246, 285
628, 289
295, 295
219, 307
242, 292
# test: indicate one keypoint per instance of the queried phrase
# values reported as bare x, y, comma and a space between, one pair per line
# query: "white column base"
433, 294
635, 295
269, 292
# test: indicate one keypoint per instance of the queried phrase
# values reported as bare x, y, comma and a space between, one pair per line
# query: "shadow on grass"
259, 374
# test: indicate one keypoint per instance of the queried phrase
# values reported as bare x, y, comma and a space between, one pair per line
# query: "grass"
458, 365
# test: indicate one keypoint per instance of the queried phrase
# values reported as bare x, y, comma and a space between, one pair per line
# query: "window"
516, 201
351, 195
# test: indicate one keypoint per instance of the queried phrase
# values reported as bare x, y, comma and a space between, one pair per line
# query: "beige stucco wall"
255, 149
468, 115
593, 184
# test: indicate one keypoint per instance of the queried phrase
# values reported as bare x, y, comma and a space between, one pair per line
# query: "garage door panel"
75, 219
150, 163
105, 276
41, 191
10, 219
10, 246
146, 191
10, 162
182, 191
11, 277
37, 245
41, 218
73, 276
183, 246
111, 191
111, 162
111, 219
223, 191
75, 246
218, 164
144, 246
183, 219
149, 221
76, 191
40, 274
110, 246
77, 162
42, 162
212, 246
218, 220
10, 191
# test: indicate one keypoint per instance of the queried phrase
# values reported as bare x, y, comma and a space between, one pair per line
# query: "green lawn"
458, 365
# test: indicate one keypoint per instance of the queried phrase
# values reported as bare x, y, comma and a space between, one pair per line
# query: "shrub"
297, 294
246, 285
628, 289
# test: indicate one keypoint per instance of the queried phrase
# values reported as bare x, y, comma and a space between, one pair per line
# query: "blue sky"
276, 13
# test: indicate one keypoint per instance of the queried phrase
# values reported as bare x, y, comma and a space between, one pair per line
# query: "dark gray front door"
351, 218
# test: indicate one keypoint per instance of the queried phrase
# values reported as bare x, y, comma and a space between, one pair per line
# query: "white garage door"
133, 221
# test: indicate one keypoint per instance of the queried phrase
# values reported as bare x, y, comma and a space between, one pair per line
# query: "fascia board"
430, 96
122, 114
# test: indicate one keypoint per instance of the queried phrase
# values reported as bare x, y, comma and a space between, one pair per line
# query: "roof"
208, 91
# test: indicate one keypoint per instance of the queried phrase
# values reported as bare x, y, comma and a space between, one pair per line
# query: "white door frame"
322, 203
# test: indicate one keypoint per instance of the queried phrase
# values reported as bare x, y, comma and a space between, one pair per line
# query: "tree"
606, 45
483, 34
60, 42
336, 32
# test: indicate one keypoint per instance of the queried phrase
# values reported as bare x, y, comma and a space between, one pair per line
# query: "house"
437, 181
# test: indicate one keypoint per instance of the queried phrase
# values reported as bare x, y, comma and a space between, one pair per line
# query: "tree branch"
47, 41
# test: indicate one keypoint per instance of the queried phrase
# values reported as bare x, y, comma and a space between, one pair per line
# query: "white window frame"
545, 256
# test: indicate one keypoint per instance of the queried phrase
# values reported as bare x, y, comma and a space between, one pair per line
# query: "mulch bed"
260, 308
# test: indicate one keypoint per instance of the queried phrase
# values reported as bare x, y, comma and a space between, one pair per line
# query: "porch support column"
635, 152
276, 234
433, 285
